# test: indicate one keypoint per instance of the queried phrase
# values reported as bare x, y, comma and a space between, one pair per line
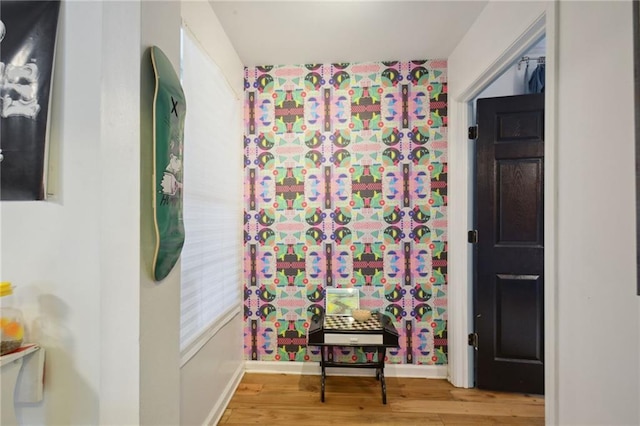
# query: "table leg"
383, 385
384, 389
322, 373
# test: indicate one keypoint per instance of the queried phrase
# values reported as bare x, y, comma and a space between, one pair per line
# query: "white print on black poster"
18, 88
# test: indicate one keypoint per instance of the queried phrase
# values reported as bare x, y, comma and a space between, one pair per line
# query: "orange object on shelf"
11, 321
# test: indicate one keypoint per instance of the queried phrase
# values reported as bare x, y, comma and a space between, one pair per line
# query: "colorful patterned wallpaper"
346, 186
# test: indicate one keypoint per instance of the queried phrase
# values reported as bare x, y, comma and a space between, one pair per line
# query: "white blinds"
211, 258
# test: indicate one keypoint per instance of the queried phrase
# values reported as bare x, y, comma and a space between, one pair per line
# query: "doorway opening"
508, 237
514, 45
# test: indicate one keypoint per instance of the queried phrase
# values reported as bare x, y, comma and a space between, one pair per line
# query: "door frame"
460, 293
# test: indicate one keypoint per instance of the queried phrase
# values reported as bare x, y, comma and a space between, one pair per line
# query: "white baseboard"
218, 410
313, 368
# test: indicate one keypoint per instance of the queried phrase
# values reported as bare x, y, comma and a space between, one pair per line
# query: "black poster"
27, 43
636, 72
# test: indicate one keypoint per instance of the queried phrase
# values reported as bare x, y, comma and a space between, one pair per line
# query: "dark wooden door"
509, 266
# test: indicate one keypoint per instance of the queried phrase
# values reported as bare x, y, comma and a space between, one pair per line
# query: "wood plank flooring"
279, 399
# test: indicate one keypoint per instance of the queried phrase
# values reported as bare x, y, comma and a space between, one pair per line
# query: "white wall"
75, 258
596, 317
118, 213
81, 260
159, 301
51, 250
599, 333
189, 394
208, 378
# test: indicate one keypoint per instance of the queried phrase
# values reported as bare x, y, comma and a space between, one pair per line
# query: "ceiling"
305, 31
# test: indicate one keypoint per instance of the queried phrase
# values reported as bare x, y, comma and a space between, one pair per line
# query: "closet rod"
527, 59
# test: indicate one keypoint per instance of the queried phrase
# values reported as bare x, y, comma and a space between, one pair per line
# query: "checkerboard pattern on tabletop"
348, 323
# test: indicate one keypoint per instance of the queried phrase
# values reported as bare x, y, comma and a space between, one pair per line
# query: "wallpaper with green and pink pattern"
346, 186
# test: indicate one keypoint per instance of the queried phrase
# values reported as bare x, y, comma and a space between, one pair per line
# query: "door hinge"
473, 340
473, 132
472, 236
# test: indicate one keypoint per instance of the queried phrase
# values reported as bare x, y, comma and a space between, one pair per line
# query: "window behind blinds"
211, 257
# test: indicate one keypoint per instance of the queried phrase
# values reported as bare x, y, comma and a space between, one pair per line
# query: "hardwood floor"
279, 399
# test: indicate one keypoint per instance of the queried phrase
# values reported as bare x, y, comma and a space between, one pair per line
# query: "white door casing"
502, 33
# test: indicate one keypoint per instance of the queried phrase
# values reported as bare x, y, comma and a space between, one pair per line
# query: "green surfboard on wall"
169, 110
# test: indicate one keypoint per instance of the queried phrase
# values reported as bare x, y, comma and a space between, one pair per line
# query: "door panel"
518, 126
509, 286
518, 296
519, 200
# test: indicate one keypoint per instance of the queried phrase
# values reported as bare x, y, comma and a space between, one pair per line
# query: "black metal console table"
330, 331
